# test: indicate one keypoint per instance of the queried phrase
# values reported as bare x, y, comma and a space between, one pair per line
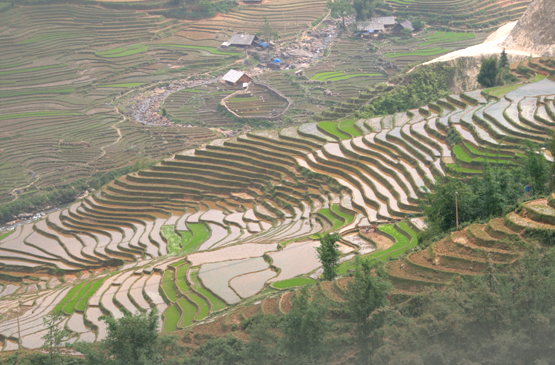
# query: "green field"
347, 217
69, 308
4, 235
337, 223
172, 316
401, 245
444, 37
69, 296
181, 278
36, 114
174, 240
290, 283
129, 84
462, 154
217, 303
202, 304
189, 312
200, 233
349, 127
204, 48
169, 285
32, 69
82, 305
421, 52
332, 127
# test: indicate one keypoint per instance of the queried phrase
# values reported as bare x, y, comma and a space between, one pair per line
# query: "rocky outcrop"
535, 31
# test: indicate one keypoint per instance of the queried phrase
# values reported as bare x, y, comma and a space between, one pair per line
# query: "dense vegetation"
497, 191
55, 196
425, 85
492, 319
495, 72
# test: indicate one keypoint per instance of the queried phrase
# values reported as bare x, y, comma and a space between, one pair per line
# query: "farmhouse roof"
371, 26
233, 76
386, 20
407, 24
242, 39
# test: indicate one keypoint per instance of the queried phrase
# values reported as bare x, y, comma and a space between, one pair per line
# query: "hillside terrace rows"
231, 204
286, 17
54, 73
480, 14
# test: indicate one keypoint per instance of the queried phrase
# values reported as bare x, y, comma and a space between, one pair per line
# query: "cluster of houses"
377, 26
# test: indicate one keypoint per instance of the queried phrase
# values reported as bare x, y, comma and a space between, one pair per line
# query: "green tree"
364, 8
488, 72
551, 149
131, 340
267, 32
328, 254
54, 336
341, 9
365, 295
537, 168
304, 330
503, 60
418, 25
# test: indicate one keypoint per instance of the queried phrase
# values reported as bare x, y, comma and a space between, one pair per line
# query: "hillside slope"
534, 32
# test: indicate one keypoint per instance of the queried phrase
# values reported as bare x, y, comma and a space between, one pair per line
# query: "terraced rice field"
461, 14
200, 231
59, 81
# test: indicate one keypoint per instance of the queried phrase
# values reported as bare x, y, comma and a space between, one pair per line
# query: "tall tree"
304, 329
131, 340
503, 60
365, 295
267, 32
329, 254
54, 336
341, 9
536, 167
488, 72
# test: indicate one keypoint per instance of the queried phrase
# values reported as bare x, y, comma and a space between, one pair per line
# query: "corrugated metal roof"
242, 39
233, 76
371, 25
386, 20
407, 24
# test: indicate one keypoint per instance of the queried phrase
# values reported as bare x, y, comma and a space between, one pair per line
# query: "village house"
378, 25
236, 78
242, 40
406, 24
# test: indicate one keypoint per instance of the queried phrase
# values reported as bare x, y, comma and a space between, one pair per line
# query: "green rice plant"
213, 50
40, 68
332, 127
401, 245
189, 312
129, 84
421, 52
464, 169
4, 235
319, 76
36, 114
128, 52
336, 222
172, 316
347, 217
181, 278
169, 286
200, 233
347, 77
444, 37
242, 100
217, 303
204, 307
69, 308
174, 240
82, 305
72, 292
462, 154
290, 283
34, 92
349, 127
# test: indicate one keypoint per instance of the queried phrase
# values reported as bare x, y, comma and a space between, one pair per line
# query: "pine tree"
504, 60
